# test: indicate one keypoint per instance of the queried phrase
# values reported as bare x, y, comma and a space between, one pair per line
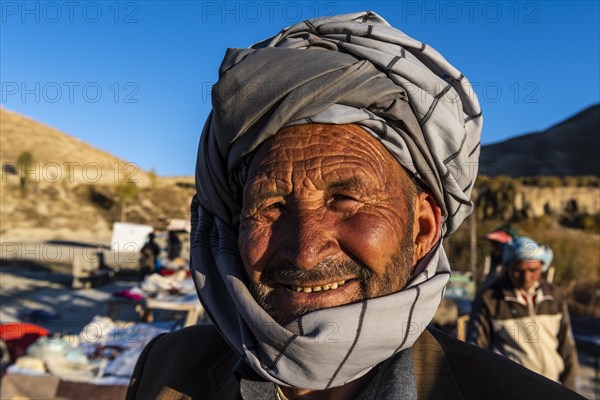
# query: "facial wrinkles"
301, 177
307, 180
307, 154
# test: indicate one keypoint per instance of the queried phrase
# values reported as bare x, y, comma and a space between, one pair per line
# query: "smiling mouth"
318, 288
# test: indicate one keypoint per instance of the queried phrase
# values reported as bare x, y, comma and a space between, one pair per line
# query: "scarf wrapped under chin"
345, 69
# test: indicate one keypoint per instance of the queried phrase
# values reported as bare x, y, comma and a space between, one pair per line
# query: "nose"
309, 237
529, 276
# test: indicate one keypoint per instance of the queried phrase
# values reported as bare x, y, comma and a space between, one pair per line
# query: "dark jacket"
537, 336
197, 363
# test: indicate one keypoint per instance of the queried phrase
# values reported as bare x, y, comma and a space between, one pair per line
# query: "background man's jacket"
537, 336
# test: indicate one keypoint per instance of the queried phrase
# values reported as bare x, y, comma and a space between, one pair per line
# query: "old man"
337, 156
525, 318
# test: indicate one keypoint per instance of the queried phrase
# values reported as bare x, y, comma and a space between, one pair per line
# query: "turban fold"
346, 69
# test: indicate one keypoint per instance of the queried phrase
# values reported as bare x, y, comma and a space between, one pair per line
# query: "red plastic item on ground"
127, 294
169, 272
18, 336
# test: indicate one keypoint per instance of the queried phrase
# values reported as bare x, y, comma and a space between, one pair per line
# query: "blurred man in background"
525, 318
149, 256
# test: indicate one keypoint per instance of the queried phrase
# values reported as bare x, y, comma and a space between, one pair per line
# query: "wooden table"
145, 307
193, 309
51, 387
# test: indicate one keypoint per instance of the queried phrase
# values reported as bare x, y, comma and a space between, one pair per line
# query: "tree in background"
24, 164
153, 178
126, 191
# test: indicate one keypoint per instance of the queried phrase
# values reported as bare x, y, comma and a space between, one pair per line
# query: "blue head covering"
522, 248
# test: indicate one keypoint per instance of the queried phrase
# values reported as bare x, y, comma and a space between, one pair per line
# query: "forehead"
526, 264
321, 153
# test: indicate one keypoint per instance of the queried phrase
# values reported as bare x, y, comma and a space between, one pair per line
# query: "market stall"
97, 363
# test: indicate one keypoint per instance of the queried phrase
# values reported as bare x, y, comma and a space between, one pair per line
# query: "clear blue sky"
133, 78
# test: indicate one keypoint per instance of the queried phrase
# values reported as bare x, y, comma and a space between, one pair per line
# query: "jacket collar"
543, 291
433, 375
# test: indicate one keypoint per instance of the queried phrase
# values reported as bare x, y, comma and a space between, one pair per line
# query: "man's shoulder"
480, 373
494, 291
202, 338
189, 361
551, 290
497, 285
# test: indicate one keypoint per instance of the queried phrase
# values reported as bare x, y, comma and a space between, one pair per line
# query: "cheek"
373, 239
253, 242
535, 276
517, 276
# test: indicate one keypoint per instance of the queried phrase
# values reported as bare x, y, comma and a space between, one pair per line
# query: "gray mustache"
324, 271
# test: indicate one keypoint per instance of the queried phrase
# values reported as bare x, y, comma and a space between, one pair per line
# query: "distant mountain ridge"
569, 148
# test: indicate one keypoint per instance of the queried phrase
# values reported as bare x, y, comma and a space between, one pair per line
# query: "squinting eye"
342, 197
277, 206
342, 202
270, 211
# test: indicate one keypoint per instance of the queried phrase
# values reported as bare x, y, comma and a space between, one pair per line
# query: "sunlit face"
525, 274
327, 220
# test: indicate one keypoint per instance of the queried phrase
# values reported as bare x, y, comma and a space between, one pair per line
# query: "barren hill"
60, 157
569, 148
72, 192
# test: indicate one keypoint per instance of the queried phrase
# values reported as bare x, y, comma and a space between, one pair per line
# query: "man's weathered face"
327, 220
525, 274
